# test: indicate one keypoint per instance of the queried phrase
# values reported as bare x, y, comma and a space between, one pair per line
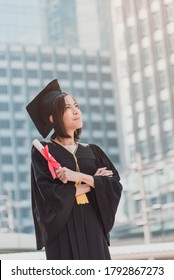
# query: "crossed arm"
64, 174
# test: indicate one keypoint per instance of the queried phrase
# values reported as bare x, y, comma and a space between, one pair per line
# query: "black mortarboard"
40, 108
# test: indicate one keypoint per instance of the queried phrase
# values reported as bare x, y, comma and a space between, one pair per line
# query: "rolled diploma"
38, 145
40, 148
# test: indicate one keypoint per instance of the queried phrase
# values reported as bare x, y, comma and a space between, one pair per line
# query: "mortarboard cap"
40, 108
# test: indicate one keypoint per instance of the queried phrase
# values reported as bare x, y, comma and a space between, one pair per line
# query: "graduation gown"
66, 229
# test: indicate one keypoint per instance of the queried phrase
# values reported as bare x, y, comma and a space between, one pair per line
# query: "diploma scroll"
53, 165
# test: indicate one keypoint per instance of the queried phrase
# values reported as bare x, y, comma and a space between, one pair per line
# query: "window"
47, 74
24, 194
140, 3
3, 90
110, 126
132, 153
107, 93
15, 56
77, 75
152, 115
93, 92
131, 35
171, 42
62, 75
16, 73
2, 55
31, 57
140, 118
22, 159
156, 20
5, 141
6, 159
112, 142
134, 63
166, 109
159, 49
162, 79
20, 141
4, 107
16, 90
95, 109
144, 27
149, 86
106, 77
129, 7
169, 12
18, 107
143, 149
76, 59
23, 176
124, 68
105, 60
146, 56
4, 124
109, 109
7, 177
96, 125
61, 59
45, 57
168, 138
32, 74
91, 60
137, 91
3, 72
155, 146
19, 124
91, 76
137, 206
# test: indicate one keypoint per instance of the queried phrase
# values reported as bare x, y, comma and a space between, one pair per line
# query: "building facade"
144, 42
24, 71
23, 22
144, 47
61, 21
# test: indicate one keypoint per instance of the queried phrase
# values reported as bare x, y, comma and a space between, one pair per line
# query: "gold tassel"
82, 199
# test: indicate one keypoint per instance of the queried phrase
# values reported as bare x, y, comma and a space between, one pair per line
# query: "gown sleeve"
107, 190
52, 201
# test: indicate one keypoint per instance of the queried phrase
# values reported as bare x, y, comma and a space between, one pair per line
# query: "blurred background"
117, 58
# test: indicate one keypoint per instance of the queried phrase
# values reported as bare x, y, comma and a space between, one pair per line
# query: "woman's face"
72, 117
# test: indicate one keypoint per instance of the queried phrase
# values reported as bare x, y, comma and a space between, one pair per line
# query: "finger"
107, 173
99, 170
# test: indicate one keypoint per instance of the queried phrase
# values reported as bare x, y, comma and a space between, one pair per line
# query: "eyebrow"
71, 104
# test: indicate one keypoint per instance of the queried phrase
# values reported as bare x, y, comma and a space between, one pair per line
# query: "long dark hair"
58, 110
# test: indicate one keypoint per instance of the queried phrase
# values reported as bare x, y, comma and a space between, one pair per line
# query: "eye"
67, 107
76, 105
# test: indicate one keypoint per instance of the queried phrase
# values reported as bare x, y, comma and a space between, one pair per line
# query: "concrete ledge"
133, 252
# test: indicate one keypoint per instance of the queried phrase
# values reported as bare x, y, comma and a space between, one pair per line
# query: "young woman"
74, 213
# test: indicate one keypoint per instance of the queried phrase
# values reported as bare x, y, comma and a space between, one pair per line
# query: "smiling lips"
77, 119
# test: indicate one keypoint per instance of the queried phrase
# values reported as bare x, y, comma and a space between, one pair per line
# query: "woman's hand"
82, 188
103, 172
64, 174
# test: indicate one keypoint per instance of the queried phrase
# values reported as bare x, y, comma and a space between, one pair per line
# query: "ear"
51, 118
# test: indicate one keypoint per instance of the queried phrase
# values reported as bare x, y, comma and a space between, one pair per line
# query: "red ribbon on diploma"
52, 163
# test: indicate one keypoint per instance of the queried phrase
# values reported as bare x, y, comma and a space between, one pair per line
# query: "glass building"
23, 22
62, 22
144, 47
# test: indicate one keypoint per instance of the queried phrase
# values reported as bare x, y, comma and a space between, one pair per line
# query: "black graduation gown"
64, 228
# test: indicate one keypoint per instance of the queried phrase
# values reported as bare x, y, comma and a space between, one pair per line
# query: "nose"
75, 111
